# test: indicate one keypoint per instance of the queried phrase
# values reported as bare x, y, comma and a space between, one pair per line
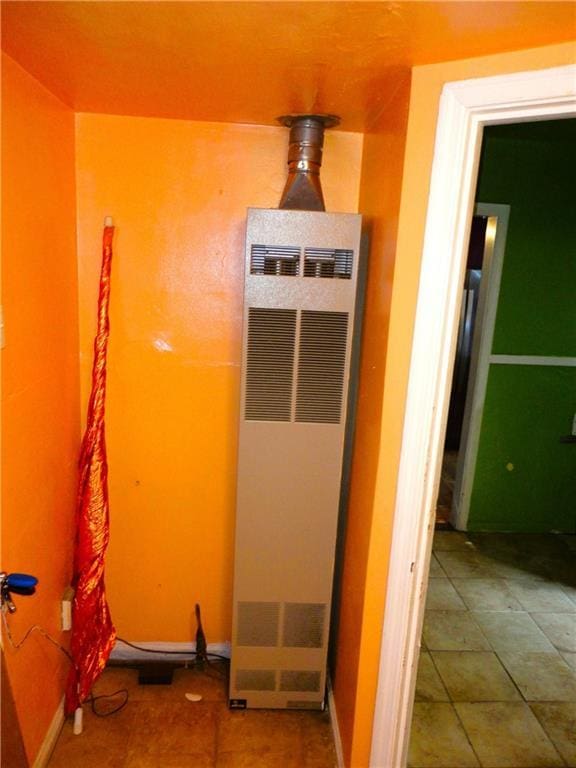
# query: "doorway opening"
469, 331
498, 652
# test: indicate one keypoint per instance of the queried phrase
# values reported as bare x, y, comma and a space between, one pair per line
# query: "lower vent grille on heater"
292, 680
258, 624
303, 625
269, 365
256, 680
321, 364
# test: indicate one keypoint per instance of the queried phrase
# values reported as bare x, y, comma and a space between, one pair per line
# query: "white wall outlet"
66, 616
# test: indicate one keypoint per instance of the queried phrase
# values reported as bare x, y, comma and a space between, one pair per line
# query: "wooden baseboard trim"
50, 739
335, 727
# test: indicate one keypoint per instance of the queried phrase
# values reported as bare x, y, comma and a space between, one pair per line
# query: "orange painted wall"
40, 382
178, 192
426, 86
382, 165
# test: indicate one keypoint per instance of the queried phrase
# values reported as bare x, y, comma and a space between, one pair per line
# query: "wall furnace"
300, 297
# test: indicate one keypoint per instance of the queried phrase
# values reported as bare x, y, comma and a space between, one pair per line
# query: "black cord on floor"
93, 699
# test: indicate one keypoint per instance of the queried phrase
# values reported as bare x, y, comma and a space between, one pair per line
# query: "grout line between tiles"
476, 755
548, 736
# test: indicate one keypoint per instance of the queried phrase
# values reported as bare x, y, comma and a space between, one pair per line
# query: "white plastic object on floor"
193, 696
78, 718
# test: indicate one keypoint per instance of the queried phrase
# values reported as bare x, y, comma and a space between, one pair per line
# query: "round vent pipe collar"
303, 191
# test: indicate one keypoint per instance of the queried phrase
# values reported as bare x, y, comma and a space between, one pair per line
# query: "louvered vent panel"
321, 365
256, 680
303, 625
281, 260
269, 368
292, 680
328, 262
258, 624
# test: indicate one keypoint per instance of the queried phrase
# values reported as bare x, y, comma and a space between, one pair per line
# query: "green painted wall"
525, 479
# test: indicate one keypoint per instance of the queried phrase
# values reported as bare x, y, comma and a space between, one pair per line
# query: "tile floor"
446, 490
496, 681
160, 728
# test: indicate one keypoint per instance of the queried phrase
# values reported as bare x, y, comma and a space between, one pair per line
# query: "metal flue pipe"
303, 191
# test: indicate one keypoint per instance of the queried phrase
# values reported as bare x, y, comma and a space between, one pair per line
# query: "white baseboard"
335, 726
47, 746
172, 651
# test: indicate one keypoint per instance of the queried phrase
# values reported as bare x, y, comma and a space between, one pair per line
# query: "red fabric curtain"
93, 633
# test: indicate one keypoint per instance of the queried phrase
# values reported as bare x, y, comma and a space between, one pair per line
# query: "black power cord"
93, 699
172, 653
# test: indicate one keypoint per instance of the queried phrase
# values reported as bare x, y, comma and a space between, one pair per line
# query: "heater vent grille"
328, 262
291, 680
281, 260
321, 366
270, 363
256, 680
258, 624
304, 625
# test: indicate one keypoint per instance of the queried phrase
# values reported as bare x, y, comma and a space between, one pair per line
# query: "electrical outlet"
574, 425
66, 616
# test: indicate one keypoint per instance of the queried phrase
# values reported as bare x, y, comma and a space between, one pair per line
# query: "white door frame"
492, 261
465, 108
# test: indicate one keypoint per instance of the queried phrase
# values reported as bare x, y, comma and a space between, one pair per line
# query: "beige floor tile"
553, 568
521, 570
317, 741
102, 743
438, 740
74, 755
510, 631
560, 628
486, 594
474, 676
507, 735
169, 760
263, 758
436, 571
258, 729
176, 727
450, 540
569, 590
464, 564
453, 631
541, 676
442, 596
429, 686
559, 722
538, 596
